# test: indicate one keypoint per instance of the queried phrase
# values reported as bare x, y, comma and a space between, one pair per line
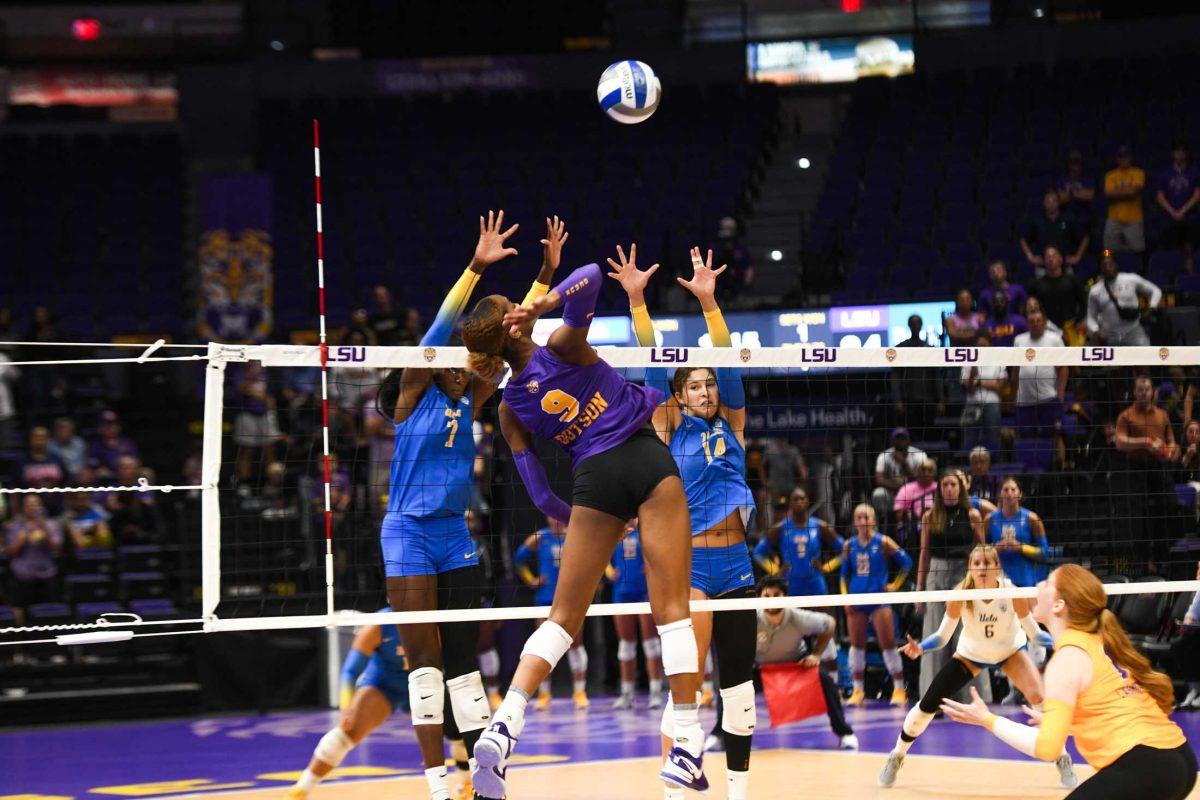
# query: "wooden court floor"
775, 774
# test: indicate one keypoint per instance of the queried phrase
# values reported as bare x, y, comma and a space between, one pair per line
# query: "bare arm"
924, 557
976, 525
367, 640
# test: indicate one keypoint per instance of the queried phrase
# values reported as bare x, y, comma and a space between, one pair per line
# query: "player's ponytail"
1087, 610
484, 337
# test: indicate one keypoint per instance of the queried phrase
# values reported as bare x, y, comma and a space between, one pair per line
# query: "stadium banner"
236, 258
90, 87
436, 75
791, 415
829, 60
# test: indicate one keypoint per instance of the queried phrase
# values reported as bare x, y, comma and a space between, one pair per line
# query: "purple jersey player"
621, 470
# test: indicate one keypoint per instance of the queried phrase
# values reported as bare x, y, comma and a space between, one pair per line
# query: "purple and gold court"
249, 753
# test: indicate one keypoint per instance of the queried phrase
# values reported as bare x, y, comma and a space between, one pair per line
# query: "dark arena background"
962, 298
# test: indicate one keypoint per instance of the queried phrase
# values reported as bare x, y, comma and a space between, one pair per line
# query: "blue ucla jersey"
631, 572
866, 569
433, 458
549, 558
712, 464
1018, 567
390, 655
799, 547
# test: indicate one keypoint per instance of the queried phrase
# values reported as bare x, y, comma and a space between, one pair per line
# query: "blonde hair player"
994, 634
865, 559
1102, 691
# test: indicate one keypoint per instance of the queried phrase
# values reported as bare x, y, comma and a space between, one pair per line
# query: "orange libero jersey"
1114, 715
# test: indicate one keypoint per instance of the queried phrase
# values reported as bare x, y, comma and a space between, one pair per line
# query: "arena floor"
564, 753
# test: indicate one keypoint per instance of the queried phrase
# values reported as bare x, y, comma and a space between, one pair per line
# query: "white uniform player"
995, 634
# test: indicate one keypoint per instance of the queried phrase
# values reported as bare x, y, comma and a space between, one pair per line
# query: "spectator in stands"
1062, 297
1052, 228
1189, 461
111, 445
1040, 390
256, 425
916, 497
276, 499
1124, 230
68, 446
386, 320
756, 479
1076, 191
134, 515
45, 388
784, 465
8, 407
86, 523
1144, 435
33, 543
981, 414
1185, 651
918, 394
981, 482
1178, 195
357, 327
413, 330
894, 467
963, 325
1003, 324
1113, 315
380, 433
731, 251
998, 284
41, 469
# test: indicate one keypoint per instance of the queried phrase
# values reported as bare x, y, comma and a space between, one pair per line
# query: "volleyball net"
1109, 470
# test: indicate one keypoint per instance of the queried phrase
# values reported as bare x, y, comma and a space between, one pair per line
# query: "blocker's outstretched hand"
973, 713
626, 273
492, 240
704, 278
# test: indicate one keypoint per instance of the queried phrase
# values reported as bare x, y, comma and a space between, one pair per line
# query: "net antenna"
324, 347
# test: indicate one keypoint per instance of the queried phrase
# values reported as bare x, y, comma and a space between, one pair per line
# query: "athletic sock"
512, 711
626, 687
656, 686
307, 782
580, 686
737, 784
859, 685
439, 787
545, 687
688, 733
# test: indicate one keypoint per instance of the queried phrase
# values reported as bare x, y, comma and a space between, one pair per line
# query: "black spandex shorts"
618, 481
1144, 772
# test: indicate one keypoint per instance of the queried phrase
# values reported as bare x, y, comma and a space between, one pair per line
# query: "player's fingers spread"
500, 219
633, 253
482, 226
510, 231
717, 272
653, 269
615, 266
564, 237
708, 261
491, 220
621, 255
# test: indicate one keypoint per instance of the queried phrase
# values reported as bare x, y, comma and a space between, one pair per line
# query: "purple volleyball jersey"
587, 410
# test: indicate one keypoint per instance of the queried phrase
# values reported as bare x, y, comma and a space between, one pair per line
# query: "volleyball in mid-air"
628, 92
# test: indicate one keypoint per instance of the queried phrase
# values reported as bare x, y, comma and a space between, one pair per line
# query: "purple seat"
1036, 454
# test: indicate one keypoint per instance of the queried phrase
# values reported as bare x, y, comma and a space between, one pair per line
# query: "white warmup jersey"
991, 631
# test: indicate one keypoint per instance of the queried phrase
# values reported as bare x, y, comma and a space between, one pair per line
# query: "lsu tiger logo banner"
236, 258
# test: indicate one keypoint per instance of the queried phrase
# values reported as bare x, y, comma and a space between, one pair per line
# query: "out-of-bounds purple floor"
163, 758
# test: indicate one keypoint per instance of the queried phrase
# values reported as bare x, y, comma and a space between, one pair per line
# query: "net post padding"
210, 496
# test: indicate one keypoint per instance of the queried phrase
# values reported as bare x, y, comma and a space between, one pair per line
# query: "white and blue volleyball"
628, 92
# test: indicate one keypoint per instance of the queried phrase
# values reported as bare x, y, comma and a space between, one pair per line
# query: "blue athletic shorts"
393, 684
807, 586
986, 665
634, 595
425, 545
717, 570
869, 610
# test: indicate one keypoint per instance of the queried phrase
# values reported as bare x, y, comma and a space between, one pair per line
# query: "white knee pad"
738, 716
916, 721
468, 702
626, 650
679, 654
426, 696
333, 747
667, 726
577, 658
858, 660
549, 643
489, 663
891, 659
652, 648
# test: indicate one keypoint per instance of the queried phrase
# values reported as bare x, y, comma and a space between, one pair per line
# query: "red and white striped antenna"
324, 367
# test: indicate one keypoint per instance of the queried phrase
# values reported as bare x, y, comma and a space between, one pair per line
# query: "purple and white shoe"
681, 769
491, 761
